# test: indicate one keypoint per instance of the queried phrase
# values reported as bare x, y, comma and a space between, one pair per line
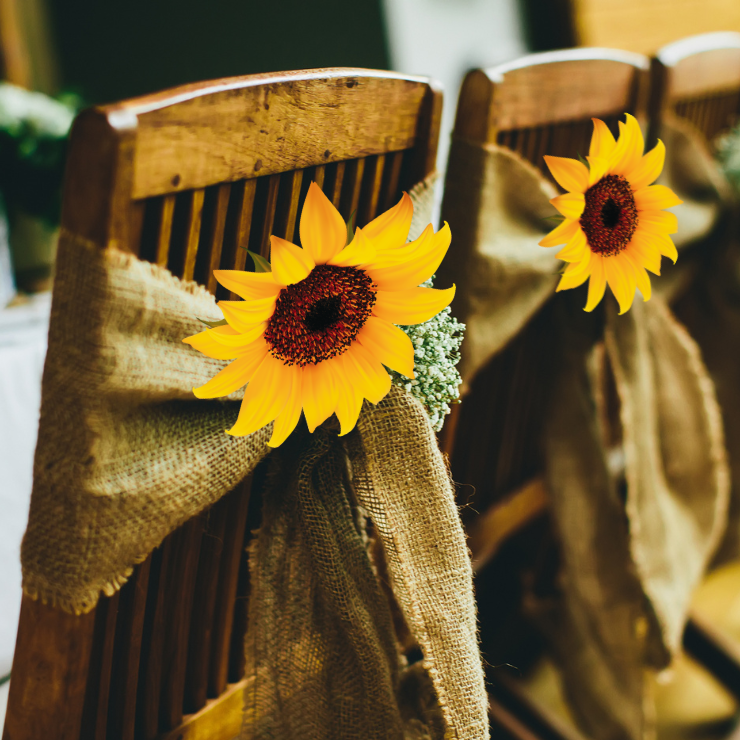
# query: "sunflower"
614, 228
314, 334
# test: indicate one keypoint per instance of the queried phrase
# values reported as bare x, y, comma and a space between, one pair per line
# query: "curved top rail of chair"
496, 74
155, 101
671, 54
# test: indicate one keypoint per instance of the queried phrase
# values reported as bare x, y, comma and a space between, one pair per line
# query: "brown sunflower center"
609, 218
319, 317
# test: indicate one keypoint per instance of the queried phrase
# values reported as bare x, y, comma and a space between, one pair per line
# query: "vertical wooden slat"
125, 672
136, 222
50, 670
155, 626
294, 182
392, 194
179, 591
244, 227
375, 181
238, 504
165, 230
192, 233
353, 185
336, 194
216, 241
204, 602
95, 719
319, 174
273, 187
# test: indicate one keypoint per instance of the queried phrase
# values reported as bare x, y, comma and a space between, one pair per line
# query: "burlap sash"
629, 570
126, 454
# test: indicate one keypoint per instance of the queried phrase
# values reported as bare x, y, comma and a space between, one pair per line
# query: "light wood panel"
645, 25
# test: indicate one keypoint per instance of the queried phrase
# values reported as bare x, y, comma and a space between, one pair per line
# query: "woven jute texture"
321, 644
126, 454
629, 569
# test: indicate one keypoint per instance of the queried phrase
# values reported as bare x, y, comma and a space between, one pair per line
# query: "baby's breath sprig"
436, 354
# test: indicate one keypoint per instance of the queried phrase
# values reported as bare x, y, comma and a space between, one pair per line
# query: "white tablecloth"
23, 331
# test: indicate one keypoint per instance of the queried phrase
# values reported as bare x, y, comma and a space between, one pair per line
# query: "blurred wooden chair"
540, 104
698, 79
536, 105
186, 178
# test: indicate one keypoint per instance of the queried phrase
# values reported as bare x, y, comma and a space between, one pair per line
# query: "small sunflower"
314, 334
614, 226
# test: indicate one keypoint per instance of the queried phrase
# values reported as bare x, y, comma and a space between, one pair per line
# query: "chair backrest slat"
698, 80
189, 179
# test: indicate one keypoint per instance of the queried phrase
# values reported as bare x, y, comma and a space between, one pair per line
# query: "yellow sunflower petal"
319, 393
620, 283
643, 247
570, 174
248, 285
598, 167
290, 264
597, 284
243, 315
349, 403
322, 228
570, 205
411, 306
391, 229
648, 169
389, 344
241, 339
602, 141
366, 373
286, 421
575, 249
655, 198
576, 274
561, 234
360, 251
667, 248
657, 222
629, 149
266, 395
641, 277
234, 375
428, 252
575, 269
206, 343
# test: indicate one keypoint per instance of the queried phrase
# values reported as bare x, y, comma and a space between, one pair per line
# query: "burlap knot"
629, 568
126, 454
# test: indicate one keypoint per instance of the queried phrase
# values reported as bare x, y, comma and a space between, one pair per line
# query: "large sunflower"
313, 334
614, 228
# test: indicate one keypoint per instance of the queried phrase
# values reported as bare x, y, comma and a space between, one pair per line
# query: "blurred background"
57, 56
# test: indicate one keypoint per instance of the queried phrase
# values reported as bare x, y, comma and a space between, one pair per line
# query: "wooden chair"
540, 104
536, 105
185, 178
698, 79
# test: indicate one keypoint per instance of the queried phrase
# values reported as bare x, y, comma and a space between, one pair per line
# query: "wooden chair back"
539, 104
698, 80
186, 178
